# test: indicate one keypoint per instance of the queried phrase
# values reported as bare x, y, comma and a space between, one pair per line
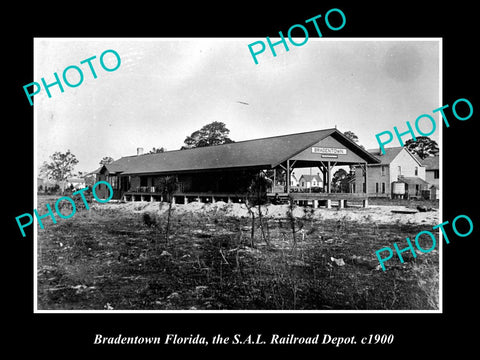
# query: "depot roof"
262, 153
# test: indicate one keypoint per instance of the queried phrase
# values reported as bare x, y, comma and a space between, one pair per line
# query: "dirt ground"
107, 258
373, 213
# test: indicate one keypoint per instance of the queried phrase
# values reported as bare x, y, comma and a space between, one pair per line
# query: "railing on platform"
184, 197
316, 199
145, 189
332, 196
307, 199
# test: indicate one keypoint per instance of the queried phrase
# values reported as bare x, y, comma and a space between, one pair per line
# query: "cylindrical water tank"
398, 188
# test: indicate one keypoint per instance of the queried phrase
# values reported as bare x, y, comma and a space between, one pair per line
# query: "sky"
165, 89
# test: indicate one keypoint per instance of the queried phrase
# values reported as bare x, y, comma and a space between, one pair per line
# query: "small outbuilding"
432, 175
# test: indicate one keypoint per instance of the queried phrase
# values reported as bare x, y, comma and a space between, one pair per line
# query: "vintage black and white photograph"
178, 175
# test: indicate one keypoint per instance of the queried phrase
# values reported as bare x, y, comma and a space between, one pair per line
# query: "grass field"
106, 258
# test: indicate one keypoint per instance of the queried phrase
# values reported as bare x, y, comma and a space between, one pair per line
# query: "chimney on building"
139, 151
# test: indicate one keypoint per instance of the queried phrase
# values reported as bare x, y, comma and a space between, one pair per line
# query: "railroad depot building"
224, 172
398, 174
